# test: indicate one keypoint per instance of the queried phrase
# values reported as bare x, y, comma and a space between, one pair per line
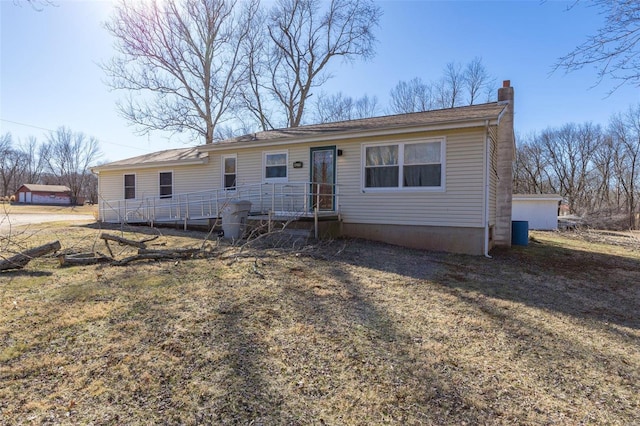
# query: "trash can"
234, 218
520, 232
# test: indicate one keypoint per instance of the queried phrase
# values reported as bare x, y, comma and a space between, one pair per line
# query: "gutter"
155, 164
351, 134
487, 167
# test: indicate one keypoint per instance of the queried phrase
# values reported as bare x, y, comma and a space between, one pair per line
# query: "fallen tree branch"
83, 259
20, 260
168, 252
146, 240
109, 237
144, 254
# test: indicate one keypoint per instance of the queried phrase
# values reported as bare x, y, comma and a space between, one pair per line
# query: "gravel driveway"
12, 220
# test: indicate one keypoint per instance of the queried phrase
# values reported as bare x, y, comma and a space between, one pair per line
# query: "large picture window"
275, 166
404, 165
166, 184
129, 187
229, 163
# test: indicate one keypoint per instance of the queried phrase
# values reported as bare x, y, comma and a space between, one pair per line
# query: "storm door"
323, 177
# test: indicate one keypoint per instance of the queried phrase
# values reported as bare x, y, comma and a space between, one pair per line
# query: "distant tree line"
63, 158
596, 169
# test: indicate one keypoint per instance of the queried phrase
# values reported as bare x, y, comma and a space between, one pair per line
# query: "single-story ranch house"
30, 193
439, 180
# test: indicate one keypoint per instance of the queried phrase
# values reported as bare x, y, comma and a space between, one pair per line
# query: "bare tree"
477, 81
570, 151
625, 130
450, 86
255, 94
305, 36
10, 162
332, 108
366, 107
530, 173
35, 155
184, 57
69, 157
604, 178
411, 96
339, 107
615, 48
457, 86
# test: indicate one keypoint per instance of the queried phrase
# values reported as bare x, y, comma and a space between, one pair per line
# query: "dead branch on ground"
20, 260
121, 240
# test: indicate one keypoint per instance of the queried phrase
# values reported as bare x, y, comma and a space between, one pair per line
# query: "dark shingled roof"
459, 114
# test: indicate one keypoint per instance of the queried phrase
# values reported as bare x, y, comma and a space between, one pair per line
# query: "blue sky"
49, 73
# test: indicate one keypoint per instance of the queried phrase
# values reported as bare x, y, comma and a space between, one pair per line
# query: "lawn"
36, 208
342, 333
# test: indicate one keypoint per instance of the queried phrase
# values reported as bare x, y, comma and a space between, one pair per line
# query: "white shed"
540, 210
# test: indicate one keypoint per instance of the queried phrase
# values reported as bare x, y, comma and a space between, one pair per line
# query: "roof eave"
151, 165
354, 134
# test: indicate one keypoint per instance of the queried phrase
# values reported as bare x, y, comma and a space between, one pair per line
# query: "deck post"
315, 222
273, 197
119, 213
153, 205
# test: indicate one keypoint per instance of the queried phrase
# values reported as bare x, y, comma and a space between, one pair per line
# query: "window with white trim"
275, 166
129, 187
229, 164
404, 165
166, 184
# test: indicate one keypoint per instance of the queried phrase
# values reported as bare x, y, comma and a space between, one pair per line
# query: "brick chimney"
506, 155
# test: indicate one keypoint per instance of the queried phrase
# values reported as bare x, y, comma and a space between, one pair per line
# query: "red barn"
43, 194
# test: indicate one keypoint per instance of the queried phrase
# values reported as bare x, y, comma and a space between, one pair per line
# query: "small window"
229, 172
422, 164
381, 168
166, 184
129, 187
275, 166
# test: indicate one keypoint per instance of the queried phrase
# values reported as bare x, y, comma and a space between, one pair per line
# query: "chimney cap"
506, 83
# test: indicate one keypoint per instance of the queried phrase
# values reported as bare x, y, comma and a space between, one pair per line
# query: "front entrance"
323, 177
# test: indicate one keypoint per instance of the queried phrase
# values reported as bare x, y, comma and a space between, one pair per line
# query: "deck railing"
290, 199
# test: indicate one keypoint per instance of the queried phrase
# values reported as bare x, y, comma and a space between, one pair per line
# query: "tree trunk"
109, 237
20, 260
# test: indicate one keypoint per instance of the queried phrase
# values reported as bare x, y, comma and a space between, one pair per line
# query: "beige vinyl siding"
460, 204
185, 179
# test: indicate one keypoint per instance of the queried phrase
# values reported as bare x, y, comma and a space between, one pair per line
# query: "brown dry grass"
37, 209
349, 332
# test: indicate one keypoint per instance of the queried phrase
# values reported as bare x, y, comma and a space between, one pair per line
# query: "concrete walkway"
9, 222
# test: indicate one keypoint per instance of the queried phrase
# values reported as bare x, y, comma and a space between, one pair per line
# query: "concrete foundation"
450, 239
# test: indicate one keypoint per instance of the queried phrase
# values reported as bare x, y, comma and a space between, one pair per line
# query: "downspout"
487, 167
